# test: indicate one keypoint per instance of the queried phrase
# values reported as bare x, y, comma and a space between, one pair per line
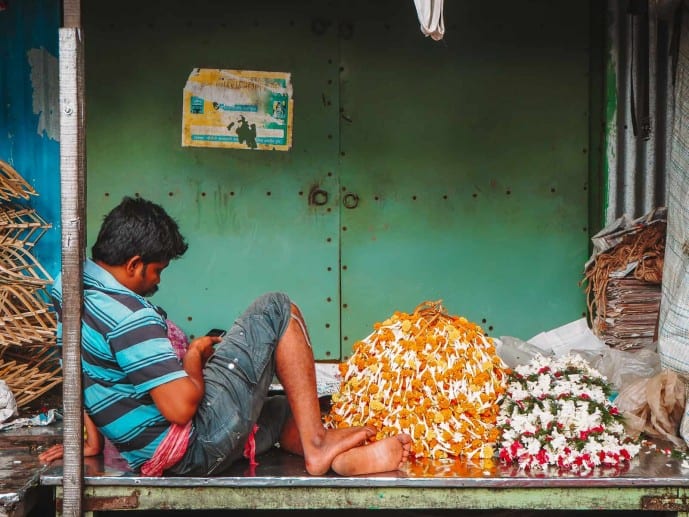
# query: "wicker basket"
20, 227
12, 185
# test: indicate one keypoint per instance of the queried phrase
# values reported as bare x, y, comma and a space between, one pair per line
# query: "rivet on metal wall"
330, 173
189, 318
327, 325
319, 26
508, 192
328, 299
330, 137
552, 189
585, 229
232, 193
327, 353
445, 196
301, 192
377, 198
344, 305
136, 194
474, 194
107, 194
330, 268
344, 268
329, 239
344, 228
413, 198
490, 327
268, 193
345, 338
203, 194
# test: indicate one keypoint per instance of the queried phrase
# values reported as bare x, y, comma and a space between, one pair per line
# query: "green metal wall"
466, 158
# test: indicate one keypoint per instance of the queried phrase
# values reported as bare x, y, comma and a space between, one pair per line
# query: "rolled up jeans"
237, 378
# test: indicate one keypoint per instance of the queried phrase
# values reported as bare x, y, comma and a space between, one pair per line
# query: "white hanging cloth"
431, 18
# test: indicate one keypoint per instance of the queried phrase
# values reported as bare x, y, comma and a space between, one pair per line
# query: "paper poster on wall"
238, 109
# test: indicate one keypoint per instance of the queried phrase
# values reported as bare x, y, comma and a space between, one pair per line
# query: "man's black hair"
138, 227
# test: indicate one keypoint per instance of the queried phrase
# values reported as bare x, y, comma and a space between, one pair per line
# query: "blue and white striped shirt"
125, 352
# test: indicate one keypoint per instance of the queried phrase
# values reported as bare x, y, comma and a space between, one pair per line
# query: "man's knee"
276, 307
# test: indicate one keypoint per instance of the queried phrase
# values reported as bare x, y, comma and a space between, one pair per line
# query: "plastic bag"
515, 352
654, 406
8, 405
623, 367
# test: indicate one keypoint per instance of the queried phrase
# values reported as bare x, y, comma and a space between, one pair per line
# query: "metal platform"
653, 481
20, 469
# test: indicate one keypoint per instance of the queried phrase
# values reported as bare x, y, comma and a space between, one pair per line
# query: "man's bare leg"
305, 434
382, 456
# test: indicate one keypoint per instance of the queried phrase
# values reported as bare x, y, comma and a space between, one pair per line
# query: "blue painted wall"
29, 123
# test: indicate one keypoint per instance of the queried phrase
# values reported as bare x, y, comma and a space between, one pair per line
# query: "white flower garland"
557, 412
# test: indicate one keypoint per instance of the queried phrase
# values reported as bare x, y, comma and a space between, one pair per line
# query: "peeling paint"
45, 88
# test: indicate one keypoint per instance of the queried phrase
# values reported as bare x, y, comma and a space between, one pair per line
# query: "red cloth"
169, 451
250, 447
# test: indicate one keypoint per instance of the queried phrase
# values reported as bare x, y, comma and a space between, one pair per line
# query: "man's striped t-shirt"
125, 352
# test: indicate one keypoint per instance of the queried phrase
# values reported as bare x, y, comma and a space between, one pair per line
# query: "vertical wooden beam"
72, 182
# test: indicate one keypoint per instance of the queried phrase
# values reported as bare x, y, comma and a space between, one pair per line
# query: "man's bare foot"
382, 456
320, 452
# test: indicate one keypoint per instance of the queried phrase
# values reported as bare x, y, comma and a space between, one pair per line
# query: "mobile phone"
216, 332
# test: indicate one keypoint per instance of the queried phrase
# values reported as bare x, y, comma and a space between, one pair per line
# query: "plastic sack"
8, 405
654, 406
515, 352
623, 367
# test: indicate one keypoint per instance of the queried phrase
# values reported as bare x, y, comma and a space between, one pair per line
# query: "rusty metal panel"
469, 162
639, 73
371, 498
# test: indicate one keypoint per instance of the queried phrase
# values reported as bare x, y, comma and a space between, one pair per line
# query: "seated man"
195, 419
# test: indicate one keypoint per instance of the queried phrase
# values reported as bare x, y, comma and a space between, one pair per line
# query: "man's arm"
93, 443
178, 400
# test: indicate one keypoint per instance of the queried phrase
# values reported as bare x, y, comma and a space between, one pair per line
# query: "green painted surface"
488, 129
351, 498
470, 159
245, 213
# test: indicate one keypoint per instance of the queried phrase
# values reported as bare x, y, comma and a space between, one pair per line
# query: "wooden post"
72, 174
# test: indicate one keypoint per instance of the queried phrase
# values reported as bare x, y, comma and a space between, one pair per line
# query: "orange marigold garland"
431, 375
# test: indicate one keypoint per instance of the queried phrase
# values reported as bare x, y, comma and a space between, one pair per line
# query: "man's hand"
54, 453
178, 400
204, 346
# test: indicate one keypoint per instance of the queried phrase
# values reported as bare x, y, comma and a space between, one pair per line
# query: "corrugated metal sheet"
639, 71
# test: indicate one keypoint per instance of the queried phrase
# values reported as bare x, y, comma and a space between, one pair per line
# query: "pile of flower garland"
433, 376
557, 412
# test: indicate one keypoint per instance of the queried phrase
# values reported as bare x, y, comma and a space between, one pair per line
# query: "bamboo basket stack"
28, 355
